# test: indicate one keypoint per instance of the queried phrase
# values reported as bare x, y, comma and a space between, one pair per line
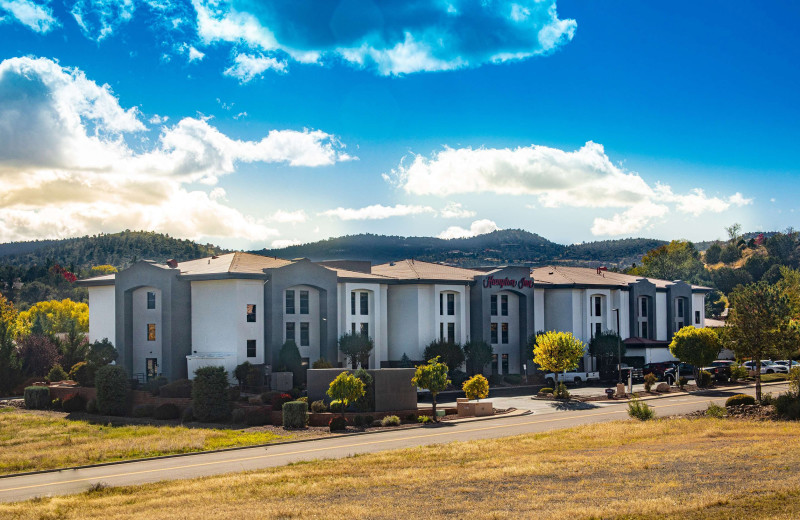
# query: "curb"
679, 394
238, 448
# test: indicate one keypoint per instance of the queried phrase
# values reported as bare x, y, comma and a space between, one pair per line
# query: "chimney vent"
172, 263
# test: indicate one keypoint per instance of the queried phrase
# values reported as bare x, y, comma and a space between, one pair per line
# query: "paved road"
548, 417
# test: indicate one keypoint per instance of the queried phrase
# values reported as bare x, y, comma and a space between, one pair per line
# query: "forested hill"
509, 246
117, 249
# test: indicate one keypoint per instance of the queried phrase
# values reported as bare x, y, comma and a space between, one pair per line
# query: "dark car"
720, 369
685, 370
657, 369
610, 373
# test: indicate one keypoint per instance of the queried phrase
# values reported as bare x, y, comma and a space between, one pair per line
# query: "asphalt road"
546, 416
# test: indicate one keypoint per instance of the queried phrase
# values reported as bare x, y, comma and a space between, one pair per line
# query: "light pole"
619, 350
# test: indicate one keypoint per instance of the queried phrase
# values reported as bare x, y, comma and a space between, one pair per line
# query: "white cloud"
455, 210
479, 227
195, 55
376, 212
289, 217
584, 178
37, 17
158, 120
66, 167
284, 243
98, 19
247, 67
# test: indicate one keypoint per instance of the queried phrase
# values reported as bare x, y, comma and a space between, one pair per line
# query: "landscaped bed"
674, 469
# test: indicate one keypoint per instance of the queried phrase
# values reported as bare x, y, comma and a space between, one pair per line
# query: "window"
597, 329
364, 296
493, 334
251, 348
353, 303
505, 363
304, 341
493, 305
364, 329
504, 337
643, 306
643, 327
290, 331
352, 328
151, 332
697, 317
451, 304
303, 302
441, 331
598, 306
151, 300
451, 332
494, 363
679, 307
504, 305
441, 304
289, 302
251, 313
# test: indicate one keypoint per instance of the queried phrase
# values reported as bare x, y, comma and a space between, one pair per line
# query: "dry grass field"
40, 440
677, 469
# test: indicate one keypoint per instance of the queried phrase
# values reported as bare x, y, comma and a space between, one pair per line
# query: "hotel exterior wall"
101, 313
143, 348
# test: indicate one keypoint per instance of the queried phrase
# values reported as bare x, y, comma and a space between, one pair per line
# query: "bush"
154, 385
336, 406
321, 363
237, 415
546, 390
187, 415
767, 400
740, 399
368, 420
358, 421
57, 374
111, 383
682, 381
167, 411
787, 406
704, 379
234, 393
649, 380
495, 379
319, 407
210, 394
55, 404
275, 399
74, 403
295, 414
366, 403
390, 420
91, 406
241, 371
82, 374
178, 388
477, 387
738, 372
457, 378
424, 419
257, 417
411, 418
337, 424
513, 379
37, 397
715, 410
640, 410
143, 410
561, 391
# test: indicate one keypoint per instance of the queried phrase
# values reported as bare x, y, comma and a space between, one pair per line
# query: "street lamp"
619, 350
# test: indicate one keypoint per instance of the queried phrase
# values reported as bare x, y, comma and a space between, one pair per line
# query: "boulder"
662, 387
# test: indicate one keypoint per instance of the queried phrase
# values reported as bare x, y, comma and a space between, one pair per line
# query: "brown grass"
704, 468
43, 440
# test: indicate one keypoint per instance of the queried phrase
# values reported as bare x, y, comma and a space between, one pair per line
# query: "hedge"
210, 394
37, 397
740, 399
143, 410
178, 388
74, 403
166, 411
111, 383
295, 414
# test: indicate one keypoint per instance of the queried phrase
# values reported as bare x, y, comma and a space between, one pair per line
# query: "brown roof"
560, 275
417, 270
348, 274
231, 263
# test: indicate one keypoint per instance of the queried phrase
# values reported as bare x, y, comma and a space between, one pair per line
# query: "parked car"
657, 369
767, 367
684, 370
576, 378
611, 373
787, 363
720, 369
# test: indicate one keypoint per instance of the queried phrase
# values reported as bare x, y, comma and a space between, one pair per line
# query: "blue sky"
254, 124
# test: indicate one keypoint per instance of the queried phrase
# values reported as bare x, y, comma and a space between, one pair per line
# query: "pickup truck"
576, 378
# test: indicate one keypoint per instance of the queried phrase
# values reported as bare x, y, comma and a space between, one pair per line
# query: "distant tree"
289, 359
405, 362
730, 254
715, 304
356, 348
607, 347
757, 265
451, 354
101, 353
726, 279
432, 377
698, 347
346, 388
772, 275
678, 260
10, 365
241, 372
760, 324
38, 354
477, 354
558, 351
100, 270
712, 253
734, 232
782, 246
74, 347
55, 316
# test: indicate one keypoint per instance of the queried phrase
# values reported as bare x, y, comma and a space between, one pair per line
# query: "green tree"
101, 353
74, 347
289, 359
241, 372
356, 348
10, 366
346, 388
557, 351
607, 347
432, 377
678, 260
760, 324
726, 279
450, 353
698, 347
715, 304
477, 354
712, 253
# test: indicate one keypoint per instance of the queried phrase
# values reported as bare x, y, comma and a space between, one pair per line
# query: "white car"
767, 367
787, 363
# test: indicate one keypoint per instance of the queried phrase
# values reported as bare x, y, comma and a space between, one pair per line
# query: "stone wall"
393, 388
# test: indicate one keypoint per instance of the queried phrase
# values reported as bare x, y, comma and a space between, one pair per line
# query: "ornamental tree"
450, 353
357, 348
55, 316
10, 365
557, 351
432, 377
476, 387
698, 347
346, 388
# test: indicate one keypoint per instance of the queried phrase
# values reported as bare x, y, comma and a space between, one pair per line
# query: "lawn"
42, 440
679, 468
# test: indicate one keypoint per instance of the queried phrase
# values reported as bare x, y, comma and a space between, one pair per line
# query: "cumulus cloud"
479, 227
66, 167
247, 67
376, 212
284, 243
195, 55
455, 210
584, 178
289, 217
36, 16
391, 37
